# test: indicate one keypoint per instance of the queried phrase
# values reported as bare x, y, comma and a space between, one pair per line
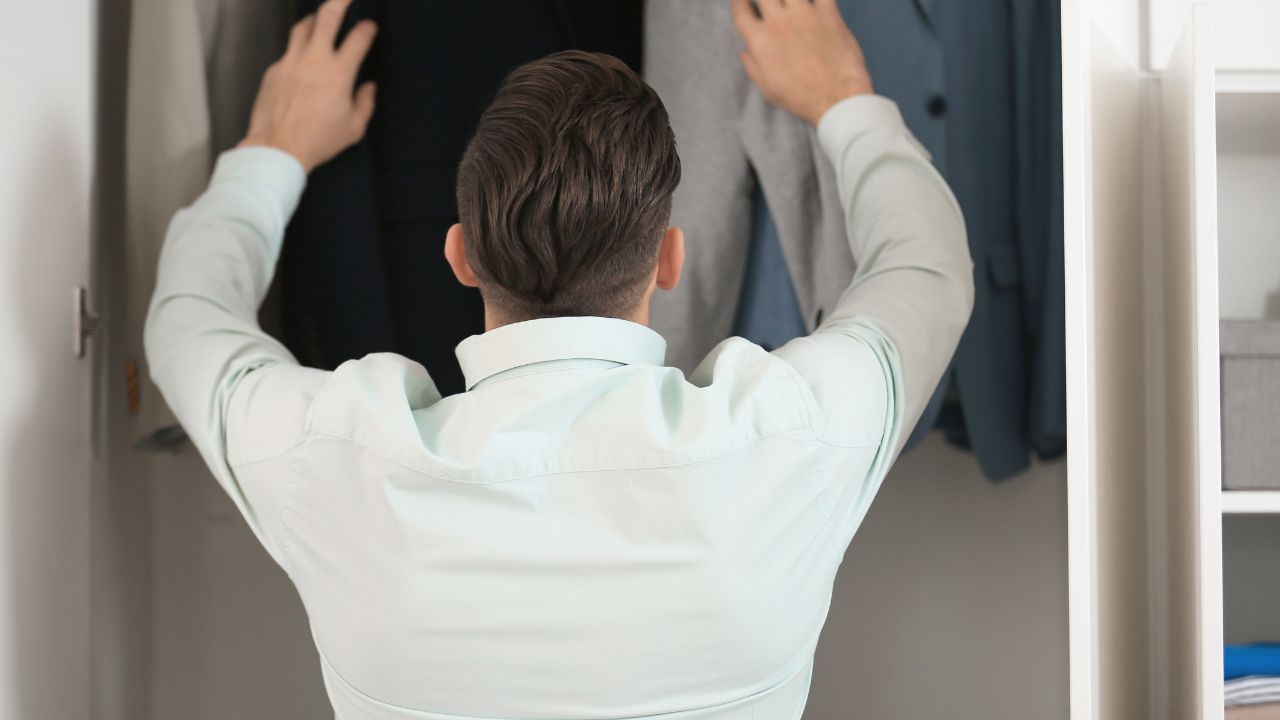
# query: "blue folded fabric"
1251, 659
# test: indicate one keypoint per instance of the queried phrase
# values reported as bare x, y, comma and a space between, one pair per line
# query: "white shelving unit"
1219, 247
1233, 590
1248, 149
1250, 502
1240, 82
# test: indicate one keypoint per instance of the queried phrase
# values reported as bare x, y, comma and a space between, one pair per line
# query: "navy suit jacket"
363, 268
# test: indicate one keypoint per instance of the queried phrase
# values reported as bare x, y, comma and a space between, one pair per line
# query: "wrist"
847, 88
278, 144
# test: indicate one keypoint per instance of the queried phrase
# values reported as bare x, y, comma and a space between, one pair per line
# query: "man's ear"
670, 259
455, 251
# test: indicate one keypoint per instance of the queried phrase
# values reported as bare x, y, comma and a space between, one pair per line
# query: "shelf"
1250, 502
1247, 83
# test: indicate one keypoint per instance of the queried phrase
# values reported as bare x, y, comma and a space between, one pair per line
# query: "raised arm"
239, 394
911, 295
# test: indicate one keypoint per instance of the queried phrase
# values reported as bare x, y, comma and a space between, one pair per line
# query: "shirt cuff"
862, 115
266, 169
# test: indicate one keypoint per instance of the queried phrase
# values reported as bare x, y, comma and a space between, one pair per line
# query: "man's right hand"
306, 106
801, 54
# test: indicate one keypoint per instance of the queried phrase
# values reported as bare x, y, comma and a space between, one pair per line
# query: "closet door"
1192, 396
46, 142
1103, 165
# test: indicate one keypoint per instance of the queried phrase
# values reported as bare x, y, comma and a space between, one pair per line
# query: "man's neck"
494, 320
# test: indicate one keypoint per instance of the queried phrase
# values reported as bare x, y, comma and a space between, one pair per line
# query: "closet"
1099, 587
1221, 165
946, 568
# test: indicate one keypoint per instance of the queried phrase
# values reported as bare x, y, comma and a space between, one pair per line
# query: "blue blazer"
981, 89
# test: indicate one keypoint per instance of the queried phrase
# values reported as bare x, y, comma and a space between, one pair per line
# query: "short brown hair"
564, 192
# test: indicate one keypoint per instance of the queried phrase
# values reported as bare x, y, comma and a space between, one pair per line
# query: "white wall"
952, 599
1249, 244
1248, 215
46, 143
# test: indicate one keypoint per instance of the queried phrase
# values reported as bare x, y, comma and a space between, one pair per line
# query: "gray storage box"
1250, 404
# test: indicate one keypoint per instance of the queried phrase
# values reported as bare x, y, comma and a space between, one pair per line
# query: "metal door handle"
83, 321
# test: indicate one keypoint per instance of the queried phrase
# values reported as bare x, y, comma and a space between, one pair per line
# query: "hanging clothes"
728, 134
363, 266
1006, 170
905, 61
193, 73
1038, 109
980, 88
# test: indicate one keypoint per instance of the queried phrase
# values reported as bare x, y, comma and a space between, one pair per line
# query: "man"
584, 533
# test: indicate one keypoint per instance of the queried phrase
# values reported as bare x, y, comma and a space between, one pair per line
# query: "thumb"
364, 104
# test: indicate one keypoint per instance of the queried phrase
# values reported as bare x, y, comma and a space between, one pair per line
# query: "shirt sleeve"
239, 394
874, 361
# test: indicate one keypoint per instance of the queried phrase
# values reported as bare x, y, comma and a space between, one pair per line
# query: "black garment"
363, 266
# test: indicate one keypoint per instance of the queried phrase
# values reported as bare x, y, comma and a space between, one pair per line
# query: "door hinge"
83, 321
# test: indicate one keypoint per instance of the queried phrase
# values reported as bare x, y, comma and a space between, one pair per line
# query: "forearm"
201, 332
914, 277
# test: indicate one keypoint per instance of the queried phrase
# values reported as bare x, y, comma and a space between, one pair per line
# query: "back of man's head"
564, 193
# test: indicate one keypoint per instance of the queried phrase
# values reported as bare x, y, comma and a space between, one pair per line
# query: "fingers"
357, 43
328, 22
300, 35
770, 7
830, 8
365, 101
744, 17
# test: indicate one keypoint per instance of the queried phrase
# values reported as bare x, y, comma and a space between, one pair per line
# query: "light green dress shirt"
584, 533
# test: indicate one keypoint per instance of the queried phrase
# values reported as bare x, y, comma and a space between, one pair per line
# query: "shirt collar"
560, 338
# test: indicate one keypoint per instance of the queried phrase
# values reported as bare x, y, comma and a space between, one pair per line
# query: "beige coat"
193, 73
